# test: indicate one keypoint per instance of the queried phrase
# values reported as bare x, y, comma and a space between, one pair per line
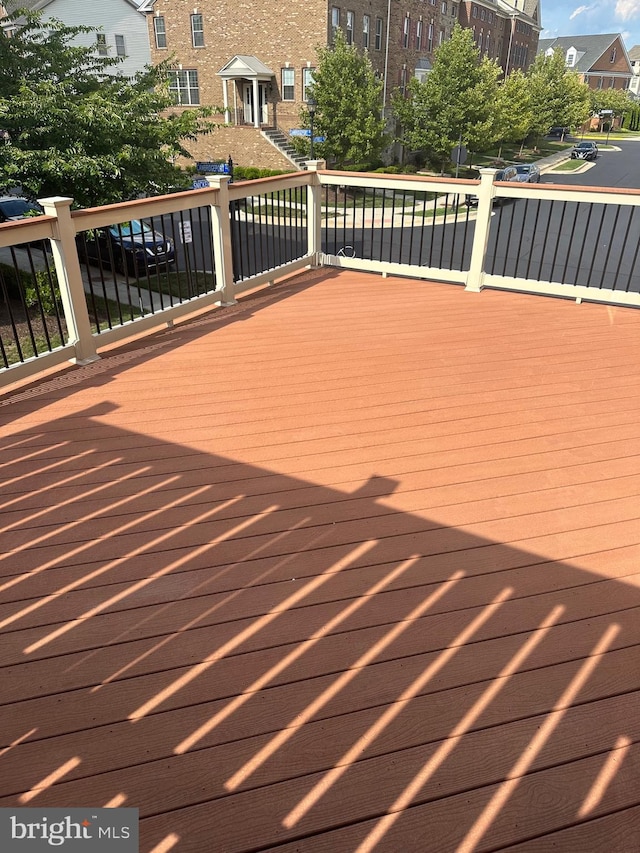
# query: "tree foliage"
75, 127
456, 101
558, 96
617, 100
514, 110
348, 99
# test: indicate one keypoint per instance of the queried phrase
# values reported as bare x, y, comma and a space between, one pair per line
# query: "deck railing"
73, 282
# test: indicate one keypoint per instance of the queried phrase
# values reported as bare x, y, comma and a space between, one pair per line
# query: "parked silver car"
527, 173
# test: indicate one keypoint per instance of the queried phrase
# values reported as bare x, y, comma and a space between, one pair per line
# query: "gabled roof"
246, 66
589, 49
37, 5
528, 12
634, 53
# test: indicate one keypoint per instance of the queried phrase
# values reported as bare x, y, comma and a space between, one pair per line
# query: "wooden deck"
352, 566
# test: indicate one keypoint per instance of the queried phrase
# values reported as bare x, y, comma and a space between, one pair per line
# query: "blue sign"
305, 131
200, 184
216, 168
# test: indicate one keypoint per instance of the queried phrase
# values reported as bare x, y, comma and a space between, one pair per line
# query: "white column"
475, 276
225, 98
74, 301
314, 206
256, 104
221, 228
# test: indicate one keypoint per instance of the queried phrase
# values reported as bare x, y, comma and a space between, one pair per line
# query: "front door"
249, 116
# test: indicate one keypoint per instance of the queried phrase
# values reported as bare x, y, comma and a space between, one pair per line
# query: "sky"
575, 18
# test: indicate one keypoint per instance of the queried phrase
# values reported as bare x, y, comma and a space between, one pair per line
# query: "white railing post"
475, 276
221, 226
314, 208
67, 264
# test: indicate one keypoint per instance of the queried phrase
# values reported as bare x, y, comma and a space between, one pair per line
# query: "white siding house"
123, 28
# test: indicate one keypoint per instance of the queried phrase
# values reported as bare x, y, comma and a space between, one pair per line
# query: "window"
160, 31
378, 33
307, 80
350, 23
570, 59
101, 43
406, 31
474, 11
366, 26
335, 20
288, 84
454, 10
612, 83
197, 31
403, 80
120, 48
419, 35
444, 7
183, 85
483, 14
430, 37
612, 57
441, 37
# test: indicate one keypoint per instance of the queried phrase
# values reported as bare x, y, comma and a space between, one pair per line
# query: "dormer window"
572, 55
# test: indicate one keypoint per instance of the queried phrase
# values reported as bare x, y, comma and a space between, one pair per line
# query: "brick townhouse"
507, 32
601, 61
254, 61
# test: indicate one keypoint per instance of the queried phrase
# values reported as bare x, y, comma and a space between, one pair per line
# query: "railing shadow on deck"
257, 662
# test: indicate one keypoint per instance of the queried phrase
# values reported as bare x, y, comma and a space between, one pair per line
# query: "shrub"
44, 290
252, 173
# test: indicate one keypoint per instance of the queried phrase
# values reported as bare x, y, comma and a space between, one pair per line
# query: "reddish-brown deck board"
278, 494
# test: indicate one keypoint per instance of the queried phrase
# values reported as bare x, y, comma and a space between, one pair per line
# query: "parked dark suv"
13, 207
584, 150
132, 246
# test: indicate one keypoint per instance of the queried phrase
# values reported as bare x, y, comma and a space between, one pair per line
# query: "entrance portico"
252, 80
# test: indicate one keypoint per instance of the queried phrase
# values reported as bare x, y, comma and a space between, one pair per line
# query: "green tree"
75, 127
616, 100
514, 112
558, 96
348, 99
457, 100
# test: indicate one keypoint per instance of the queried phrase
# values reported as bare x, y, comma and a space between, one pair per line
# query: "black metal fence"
398, 226
139, 267
267, 231
31, 316
573, 243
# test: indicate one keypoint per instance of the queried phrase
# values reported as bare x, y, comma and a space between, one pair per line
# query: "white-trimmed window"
572, 55
443, 7
430, 37
160, 31
366, 27
350, 24
197, 31
183, 86
121, 49
288, 84
378, 33
403, 80
335, 20
406, 31
440, 37
101, 44
307, 80
418, 35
